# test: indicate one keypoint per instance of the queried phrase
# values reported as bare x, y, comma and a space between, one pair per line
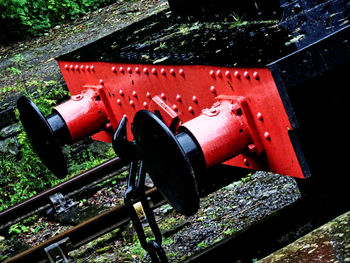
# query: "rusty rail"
86, 231
41, 199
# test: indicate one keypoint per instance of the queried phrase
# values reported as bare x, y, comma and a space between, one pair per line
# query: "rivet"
137, 70
194, 99
87, 68
237, 74
82, 68
181, 72
175, 108
154, 71
121, 69
252, 148
212, 73
259, 116
162, 95
246, 74
121, 92
148, 95
101, 82
256, 75
178, 98
92, 68
267, 136
114, 70
245, 161
145, 105
66, 67
119, 102
145, 70
76, 67
213, 89
218, 73
172, 71
227, 74
131, 102
190, 109
162, 71
134, 93
71, 67
129, 70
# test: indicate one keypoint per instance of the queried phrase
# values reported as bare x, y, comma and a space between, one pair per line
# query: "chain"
135, 190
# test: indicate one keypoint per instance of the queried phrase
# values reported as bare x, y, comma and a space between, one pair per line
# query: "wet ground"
222, 214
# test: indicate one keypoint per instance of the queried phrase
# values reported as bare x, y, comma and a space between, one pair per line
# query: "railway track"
68, 188
272, 118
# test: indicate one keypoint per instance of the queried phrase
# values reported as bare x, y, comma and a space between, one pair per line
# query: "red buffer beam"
236, 114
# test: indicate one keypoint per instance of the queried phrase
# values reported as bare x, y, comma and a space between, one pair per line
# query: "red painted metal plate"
188, 90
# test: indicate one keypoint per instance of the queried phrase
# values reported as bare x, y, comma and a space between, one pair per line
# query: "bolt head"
148, 95
256, 75
190, 109
154, 71
246, 75
227, 74
181, 72
172, 71
267, 136
259, 116
178, 97
236, 74
218, 73
145, 70
213, 89
121, 69
137, 70
212, 73
162, 71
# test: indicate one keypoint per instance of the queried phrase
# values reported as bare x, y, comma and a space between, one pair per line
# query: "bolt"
132, 104
175, 108
82, 68
259, 116
101, 82
267, 136
190, 109
227, 74
181, 72
71, 67
114, 70
162, 71
137, 70
121, 92
154, 71
121, 69
256, 75
119, 102
145, 70
237, 74
134, 93
148, 95
213, 89
194, 99
162, 95
246, 74
66, 67
172, 71
212, 73
87, 68
145, 105
218, 73
92, 68
245, 161
76, 67
129, 70
252, 148
178, 98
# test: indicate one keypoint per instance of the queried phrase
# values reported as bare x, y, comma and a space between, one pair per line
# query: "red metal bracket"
183, 93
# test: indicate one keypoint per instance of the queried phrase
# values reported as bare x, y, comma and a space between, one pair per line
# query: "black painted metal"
167, 162
47, 135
